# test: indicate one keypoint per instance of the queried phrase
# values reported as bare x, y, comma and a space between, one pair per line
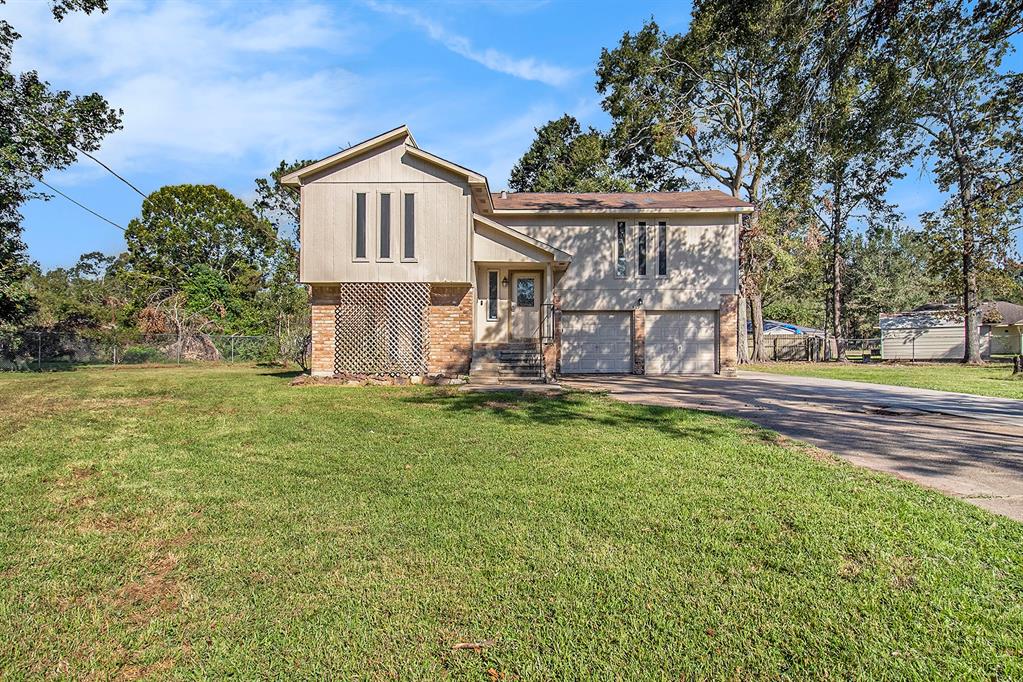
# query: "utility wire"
73, 201
79, 204
82, 151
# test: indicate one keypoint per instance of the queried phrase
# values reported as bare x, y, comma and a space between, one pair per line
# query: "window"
360, 225
408, 242
662, 249
620, 265
492, 295
525, 292
641, 250
385, 226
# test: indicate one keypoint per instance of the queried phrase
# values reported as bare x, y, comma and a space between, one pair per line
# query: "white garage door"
681, 342
596, 342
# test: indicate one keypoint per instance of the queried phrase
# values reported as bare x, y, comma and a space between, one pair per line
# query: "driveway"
964, 445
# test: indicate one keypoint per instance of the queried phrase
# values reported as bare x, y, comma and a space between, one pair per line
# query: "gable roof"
601, 202
293, 179
477, 181
557, 254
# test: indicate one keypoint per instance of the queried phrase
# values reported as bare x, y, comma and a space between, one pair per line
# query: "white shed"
937, 332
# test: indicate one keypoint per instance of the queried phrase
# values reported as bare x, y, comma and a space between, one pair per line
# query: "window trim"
642, 250
364, 258
414, 258
495, 301
620, 250
662, 249
389, 258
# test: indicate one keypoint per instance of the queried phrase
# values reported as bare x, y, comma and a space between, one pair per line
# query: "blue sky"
220, 92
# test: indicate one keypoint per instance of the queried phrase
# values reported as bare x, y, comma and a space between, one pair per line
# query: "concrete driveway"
964, 445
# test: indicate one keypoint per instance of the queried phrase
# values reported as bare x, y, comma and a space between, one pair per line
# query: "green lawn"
205, 522
993, 379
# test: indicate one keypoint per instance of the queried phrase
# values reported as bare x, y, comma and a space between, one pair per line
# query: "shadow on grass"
578, 408
286, 374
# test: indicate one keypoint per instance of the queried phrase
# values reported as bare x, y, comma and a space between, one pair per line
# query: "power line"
79, 204
112, 172
82, 151
15, 161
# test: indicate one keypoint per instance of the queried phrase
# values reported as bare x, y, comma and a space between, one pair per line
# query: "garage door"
596, 342
681, 342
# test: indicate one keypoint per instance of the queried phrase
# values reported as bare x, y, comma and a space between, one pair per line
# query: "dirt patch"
154, 593
139, 672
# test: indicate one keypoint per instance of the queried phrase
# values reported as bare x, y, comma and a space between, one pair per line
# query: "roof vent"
504, 194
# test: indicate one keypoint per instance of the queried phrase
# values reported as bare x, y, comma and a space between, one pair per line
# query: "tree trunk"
970, 304
837, 227
756, 304
742, 342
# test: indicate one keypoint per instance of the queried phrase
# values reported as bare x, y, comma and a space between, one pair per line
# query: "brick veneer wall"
450, 321
728, 313
638, 340
324, 304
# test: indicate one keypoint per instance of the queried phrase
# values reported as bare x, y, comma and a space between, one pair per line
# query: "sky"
220, 92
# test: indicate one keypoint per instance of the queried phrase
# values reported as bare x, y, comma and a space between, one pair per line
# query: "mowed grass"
993, 379
211, 522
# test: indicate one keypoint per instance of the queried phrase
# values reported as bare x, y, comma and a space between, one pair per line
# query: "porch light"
504, 281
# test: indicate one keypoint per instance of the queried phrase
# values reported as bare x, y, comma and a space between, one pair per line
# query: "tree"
284, 300
183, 227
710, 103
40, 130
563, 158
854, 140
971, 116
888, 272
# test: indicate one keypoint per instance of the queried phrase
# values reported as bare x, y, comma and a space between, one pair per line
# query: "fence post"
232, 349
180, 342
39, 350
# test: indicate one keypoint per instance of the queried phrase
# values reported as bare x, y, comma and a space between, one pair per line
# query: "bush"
134, 355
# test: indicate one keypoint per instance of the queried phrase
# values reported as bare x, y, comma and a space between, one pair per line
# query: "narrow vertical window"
641, 250
385, 226
662, 249
492, 295
360, 225
621, 267
409, 240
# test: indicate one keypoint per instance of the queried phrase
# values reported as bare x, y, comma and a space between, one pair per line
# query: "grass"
993, 379
206, 522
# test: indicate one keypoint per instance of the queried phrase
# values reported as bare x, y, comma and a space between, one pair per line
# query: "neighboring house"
937, 332
416, 269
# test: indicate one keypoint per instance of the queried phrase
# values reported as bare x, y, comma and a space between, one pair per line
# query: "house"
936, 331
418, 269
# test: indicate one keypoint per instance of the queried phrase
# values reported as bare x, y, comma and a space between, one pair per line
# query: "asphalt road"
964, 445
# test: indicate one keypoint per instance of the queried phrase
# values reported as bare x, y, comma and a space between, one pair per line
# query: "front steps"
495, 363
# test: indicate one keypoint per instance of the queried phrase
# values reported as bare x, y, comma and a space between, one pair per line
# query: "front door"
525, 305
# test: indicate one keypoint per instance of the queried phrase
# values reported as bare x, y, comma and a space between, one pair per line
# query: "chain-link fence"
37, 350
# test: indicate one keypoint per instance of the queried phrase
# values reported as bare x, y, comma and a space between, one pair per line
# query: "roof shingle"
555, 201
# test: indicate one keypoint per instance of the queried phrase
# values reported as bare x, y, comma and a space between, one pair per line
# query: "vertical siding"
442, 212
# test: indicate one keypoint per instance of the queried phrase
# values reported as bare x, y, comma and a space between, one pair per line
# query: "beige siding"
701, 260
933, 343
442, 218
1006, 340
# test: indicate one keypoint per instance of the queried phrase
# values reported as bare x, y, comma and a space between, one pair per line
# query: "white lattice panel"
381, 328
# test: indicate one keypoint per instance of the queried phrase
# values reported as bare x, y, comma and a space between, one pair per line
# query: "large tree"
854, 138
971, 117
40, 130
563, 158
183, 227
709, 104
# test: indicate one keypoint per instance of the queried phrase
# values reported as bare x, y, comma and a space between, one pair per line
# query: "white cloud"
527, 68
199, 88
